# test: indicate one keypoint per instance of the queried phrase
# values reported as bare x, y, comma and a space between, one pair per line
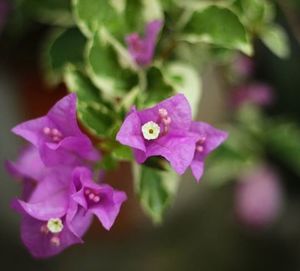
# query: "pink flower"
57, 135
167, 130
256, 93
47, 238
99, 199
243, 65
162, 130
142, 49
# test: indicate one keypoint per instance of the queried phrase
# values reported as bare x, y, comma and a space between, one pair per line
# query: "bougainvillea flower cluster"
243, 66
142, 49
167, 130
59, 196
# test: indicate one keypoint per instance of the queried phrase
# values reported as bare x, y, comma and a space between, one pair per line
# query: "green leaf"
134, 16
152, 10
65, 47
255, 14
139, 12
119, 5
57, 12
185, 79
94, 112
239, 152
105, 67
251, 118
156, 190
219, 26
95, 120
108, 163
119, 17
122, 153
130, 99
276, 39
258, 16
158, 88
91, 15
167, 4
283, 142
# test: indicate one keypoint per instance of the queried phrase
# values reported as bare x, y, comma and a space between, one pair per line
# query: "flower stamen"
199, 144
44, 229
54, 134
199, 148
92, 196
165, 119
55, 241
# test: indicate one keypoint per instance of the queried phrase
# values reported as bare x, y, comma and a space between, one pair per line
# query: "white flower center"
55, 225
150, 130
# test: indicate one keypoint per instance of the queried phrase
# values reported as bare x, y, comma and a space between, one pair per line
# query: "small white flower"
151, 130
55, 225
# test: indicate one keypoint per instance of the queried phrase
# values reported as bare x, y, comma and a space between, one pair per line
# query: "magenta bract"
57, 135
142, 49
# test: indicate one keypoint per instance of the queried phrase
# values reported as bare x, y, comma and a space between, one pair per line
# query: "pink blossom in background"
244, 66
258, 198
142, 49
256, 93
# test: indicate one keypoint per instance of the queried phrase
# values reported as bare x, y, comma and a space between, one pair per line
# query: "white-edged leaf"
276, 39
185, 79
218, 26
156, 189
152, 10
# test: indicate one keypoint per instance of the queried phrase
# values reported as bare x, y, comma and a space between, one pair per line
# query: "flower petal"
32, 130
108, 211
80, 222
23, 168
49, 199
130, 132
152, 30
197, 167
213, 137
64, 115
178, 109
177, 147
